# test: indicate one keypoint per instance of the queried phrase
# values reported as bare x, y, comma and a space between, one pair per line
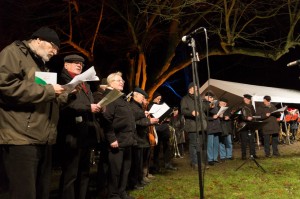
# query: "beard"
44, 55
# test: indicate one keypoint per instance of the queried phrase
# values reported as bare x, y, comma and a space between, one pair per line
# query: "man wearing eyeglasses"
77, 133
119, 128
29, 114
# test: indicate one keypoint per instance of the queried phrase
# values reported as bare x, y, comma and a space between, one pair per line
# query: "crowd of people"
130, 140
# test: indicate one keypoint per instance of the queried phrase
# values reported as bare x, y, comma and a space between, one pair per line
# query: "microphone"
186, 38
294, 63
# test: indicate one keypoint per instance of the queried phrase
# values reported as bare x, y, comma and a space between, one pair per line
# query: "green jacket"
28, 111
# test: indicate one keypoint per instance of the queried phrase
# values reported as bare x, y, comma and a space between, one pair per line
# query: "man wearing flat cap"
29, 114
135, 180
246, 130
78, 133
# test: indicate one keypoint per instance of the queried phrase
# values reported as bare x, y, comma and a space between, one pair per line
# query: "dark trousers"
163, 134
75, 172
28, 170
119, 166
136, 170
247, 137
146, 157
102, 173
274, 144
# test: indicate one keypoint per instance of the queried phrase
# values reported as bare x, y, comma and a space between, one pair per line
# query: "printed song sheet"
88, 75
157, 110
280, 110
44, 78
222, 110
110, 97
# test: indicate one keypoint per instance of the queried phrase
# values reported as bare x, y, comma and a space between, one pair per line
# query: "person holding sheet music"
213, 129
270, 129
29, 114
77, 133
119, 127
136, 177
188, 111
163, 133
245, 120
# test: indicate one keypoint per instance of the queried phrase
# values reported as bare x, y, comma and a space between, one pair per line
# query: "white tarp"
234, 92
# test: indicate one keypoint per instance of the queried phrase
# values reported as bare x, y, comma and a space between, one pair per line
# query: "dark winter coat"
28, 111
119, 122
270, 125
142, 124
187, 107
77, 125
213, 125
226, 125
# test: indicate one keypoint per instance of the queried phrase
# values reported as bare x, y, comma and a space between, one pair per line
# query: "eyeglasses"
119, 80
75, 62
54, 46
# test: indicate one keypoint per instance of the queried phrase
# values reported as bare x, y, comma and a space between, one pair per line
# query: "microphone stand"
199, 118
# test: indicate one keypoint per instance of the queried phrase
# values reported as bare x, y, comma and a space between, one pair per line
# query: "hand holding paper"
280, 110
110, 97
222, 110
88, 75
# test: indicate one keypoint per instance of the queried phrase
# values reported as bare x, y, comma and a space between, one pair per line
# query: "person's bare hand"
147, 113
215, 116
115, 144
95, 108
194, 113
154, 120
58, 89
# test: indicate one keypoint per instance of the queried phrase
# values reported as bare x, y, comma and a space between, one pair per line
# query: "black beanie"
46, 34
191, 85
155, 95
141, 91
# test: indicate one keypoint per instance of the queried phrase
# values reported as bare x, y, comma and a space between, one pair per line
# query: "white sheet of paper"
222, 110
48, 77
280, 110
88, 75
158, 110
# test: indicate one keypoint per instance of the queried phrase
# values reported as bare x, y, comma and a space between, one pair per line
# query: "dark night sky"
242, 69
237, 68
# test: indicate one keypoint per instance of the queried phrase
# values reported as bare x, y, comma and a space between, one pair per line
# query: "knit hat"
47, 34
74, 57
268, 98
209, 94
191, 85
156, 94
247, 96
223, 100
141, 91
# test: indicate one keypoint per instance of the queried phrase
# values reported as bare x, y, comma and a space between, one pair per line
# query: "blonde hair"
110, 78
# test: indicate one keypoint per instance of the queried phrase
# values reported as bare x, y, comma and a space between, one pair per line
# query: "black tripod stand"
249, 136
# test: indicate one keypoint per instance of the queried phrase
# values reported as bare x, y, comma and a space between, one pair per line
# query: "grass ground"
222, 181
